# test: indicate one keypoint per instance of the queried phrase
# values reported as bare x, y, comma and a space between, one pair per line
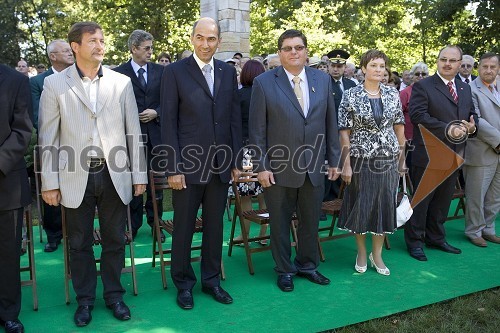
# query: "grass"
478, 312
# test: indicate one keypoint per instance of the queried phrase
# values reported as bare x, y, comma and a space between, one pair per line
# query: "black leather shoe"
14, 326
120, 310
83, 315
445, 247
315, 277
185, 299
285, 282
50, 247
417, 253
219, 294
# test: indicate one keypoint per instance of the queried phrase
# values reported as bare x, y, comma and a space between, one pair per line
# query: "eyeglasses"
423, 74
451, 61
146, 48
63, 51
164, 60
297, 48
466, 66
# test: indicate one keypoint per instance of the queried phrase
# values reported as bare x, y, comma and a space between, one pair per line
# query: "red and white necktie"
452, 91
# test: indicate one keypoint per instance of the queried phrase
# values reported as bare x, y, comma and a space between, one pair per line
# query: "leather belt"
96, 162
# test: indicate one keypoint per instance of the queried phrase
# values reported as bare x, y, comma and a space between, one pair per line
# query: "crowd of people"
308, 124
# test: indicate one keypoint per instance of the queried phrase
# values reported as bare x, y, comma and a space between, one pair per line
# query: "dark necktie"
142, 80
452, 91
467, 80
340, 85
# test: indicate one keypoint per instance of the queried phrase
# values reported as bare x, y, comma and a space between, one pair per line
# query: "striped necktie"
452, 91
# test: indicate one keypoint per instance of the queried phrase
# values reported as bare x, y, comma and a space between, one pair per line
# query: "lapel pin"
220, 68
313, 89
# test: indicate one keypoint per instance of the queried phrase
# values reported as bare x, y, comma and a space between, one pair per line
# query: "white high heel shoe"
383, 271
359, 269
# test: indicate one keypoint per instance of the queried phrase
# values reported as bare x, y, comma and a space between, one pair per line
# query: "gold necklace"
371, 93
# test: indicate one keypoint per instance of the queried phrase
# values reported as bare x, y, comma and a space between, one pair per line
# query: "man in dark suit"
336, 68
146, 80
61, 57
293, 126
465, 71
201, 128
15, 135
442, 105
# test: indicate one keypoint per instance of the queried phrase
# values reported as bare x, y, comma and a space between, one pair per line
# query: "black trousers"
186, 202
281, 203
11, 223
136, 210
52, 223
112, 211
426, 223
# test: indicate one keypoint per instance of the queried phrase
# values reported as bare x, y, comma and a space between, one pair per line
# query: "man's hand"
235, 174
470, 125
266, 178
177, 182
333, 173
52, 197
139, 189
347, 174
147, 115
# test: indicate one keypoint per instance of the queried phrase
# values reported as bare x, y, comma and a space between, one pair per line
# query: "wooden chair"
97, 241
158, 182
332, 208
260, 216
29, 247
38, 186
459, 194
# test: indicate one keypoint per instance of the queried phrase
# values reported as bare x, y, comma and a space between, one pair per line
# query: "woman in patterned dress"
371, 126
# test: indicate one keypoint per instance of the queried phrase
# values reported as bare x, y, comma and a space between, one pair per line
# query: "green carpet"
259, 305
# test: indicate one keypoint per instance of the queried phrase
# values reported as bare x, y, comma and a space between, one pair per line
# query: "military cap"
338, 56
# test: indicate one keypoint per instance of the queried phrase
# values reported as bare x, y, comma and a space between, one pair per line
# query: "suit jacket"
202, 133
480, 151
36, 83
337, 92
432, 106
15, 135
148, 98
66, 128
473, 77
277, 122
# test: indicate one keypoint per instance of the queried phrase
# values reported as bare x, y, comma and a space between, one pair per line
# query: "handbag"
404, 210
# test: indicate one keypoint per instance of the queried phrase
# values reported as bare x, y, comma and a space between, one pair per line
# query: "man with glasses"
61, 57
293, 125
146, 81
465, 70
442, 105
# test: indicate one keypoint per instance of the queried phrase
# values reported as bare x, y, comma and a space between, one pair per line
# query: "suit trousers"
136, 205
281, 203
52, 223
11, 223
112, 212
426, 223
483, 199
212, 196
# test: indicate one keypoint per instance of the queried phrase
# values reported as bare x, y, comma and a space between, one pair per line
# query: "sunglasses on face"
466, 66
423, 74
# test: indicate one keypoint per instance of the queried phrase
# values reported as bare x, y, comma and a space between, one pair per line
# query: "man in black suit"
146, 80
15, 135
442, 105
465, 71
61, 57
293, 125
336, 69
201, 130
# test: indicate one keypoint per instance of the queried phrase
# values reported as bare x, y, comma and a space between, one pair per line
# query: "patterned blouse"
368, 139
